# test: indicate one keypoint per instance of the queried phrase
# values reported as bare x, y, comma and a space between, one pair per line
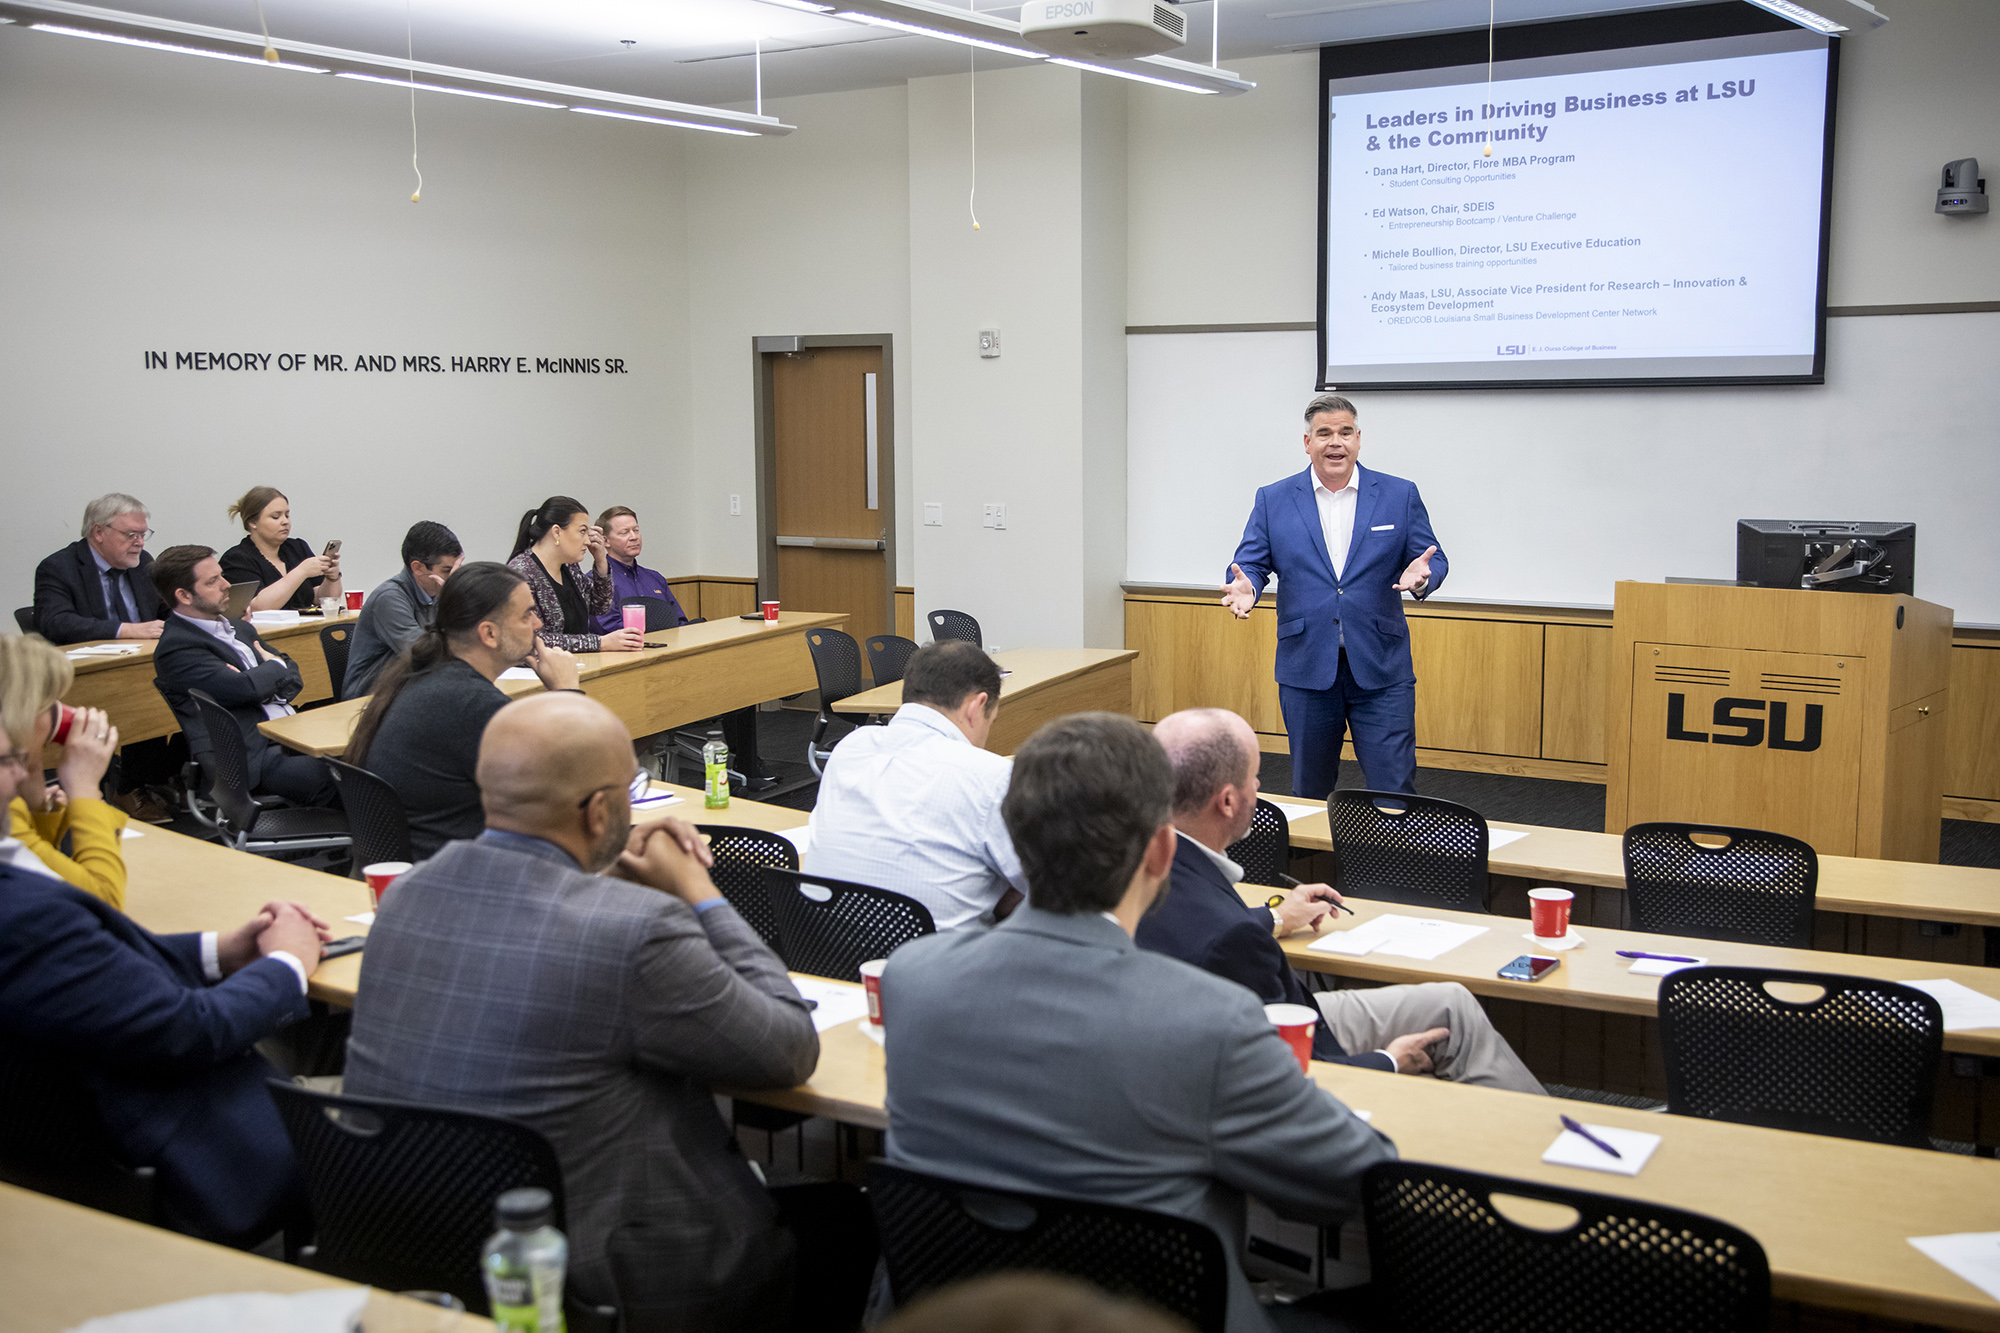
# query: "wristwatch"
1276, 901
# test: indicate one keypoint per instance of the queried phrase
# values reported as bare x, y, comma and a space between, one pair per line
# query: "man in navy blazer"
202, 649
159, 1030
1345, 542
1435, 1028
99, 587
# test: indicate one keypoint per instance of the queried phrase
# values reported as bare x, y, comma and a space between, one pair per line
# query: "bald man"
581, 975
1437, 1028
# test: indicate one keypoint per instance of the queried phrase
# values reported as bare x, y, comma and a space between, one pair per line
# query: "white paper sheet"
1964, 1007
129, 832
659, 800
103, 650
1973, 1255
336, 1310
1569, 941
1660, 967
873, 1031
1294, 811
363, 918
1496, 838
1575, 1150
518, 673
838, 1002
1398, 936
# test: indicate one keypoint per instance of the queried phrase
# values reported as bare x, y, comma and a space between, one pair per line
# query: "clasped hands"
669, 855
286, 927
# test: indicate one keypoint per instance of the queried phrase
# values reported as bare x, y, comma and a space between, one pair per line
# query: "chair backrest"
837, 665
1759, 888
742, 855
659, 613
402, 1195
52, 1141
376, 819
335, 642
1266, 850
227, 762
954, 625
834, 936
24, 616
1448, 1260
888, 654
1419, 850
1859, 1062
936, 1232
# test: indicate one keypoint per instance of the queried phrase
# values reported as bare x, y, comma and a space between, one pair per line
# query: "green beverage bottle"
715, 762
523, 1264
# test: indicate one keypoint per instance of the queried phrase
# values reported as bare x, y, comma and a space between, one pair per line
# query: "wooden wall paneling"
688, 593
1196, 656
721, 598
1576, 672
1479, 685
1972, 733
906, 613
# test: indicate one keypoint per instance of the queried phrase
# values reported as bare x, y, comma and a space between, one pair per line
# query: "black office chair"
1859, 1062
1416, 850
242, 820
888, 655
955, 625
835, 935
742, 855
52, 1141
836, 662
335, 642
659, 613
1265, 852
402, 1195
936, 1232
1446, 1260
376, 819
1759, 888
24, 616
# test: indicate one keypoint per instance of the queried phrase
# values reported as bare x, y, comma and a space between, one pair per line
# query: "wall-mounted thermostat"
989, 342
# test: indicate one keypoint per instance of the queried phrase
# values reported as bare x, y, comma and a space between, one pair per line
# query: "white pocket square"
1383, 527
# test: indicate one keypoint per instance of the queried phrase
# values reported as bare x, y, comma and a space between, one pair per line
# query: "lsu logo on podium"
1748, 722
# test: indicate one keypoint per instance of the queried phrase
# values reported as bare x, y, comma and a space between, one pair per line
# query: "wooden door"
832, 477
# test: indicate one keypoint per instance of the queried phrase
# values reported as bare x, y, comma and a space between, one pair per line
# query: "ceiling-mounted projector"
1103, 29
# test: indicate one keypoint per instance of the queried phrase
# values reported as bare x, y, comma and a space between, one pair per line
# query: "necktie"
121, 603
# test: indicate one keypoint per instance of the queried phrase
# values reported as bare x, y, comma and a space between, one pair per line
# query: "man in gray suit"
1090, 1027
507, 975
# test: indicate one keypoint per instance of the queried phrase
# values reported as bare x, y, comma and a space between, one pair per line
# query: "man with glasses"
1345, 543
100, 587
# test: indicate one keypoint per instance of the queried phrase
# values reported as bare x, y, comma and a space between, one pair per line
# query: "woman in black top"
290, 576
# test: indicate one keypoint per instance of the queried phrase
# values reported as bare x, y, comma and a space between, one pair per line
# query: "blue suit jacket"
1202, 920
166, 1055
69, 596
187, 659
1284, 537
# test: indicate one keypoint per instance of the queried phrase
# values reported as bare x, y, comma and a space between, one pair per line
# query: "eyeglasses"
637, 789
142, 535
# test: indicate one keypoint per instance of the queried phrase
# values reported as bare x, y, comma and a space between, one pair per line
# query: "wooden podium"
1814, 713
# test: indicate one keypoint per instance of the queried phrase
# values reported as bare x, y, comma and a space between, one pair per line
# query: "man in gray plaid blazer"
506, 975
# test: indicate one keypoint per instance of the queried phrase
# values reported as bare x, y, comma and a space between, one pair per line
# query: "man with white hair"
99, 587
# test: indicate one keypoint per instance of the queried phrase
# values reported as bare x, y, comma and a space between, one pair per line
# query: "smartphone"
332, 548
754, 615
1530, 967
342, 948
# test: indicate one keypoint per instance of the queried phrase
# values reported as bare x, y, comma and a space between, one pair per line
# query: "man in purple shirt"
628, 577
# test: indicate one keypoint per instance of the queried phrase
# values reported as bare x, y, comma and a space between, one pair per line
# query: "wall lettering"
382, 363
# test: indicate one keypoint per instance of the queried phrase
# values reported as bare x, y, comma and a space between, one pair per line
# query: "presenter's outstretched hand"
1238, 595
1418, 573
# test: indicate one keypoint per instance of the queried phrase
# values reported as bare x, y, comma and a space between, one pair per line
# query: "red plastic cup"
1549, 911
635, 619
770, 610
354, 601
380, 875
1295, 1024
871, 981
65, 719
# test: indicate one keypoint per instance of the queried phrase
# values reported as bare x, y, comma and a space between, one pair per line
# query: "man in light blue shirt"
914, 807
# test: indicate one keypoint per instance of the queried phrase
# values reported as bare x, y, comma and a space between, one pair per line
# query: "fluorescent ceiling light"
660, 120
1134, 75
441, 88
943, 35
1800, 15
123, 40
803, 6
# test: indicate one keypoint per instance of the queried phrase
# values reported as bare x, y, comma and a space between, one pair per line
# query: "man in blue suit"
1345, 542
158, 1030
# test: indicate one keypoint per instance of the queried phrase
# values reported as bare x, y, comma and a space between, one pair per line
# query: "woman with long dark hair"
549, 549
420, 732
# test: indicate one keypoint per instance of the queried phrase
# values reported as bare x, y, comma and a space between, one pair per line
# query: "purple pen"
1659, 957
1582, 1133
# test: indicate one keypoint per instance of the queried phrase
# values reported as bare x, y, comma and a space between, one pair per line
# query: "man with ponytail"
421, 730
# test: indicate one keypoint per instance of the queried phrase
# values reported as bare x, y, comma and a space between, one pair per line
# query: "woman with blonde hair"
34, 675
288, 575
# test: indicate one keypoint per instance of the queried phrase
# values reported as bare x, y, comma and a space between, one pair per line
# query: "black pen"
1299, 884
1582, 1133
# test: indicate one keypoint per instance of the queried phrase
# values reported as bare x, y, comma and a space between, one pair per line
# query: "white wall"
161, 202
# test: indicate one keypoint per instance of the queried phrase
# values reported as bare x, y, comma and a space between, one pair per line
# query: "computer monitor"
1824, 553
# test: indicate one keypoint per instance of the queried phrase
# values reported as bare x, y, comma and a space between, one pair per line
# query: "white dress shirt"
1336, 515
274, 708
211, 961
914, 807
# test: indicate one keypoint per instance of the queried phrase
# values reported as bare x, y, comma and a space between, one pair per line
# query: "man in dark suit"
159, 1029
1346, 543
1436, 1028
1052, 1055
568, 971
202, 649
99, 587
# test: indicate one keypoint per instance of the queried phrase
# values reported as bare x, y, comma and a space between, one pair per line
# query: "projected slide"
1650, 213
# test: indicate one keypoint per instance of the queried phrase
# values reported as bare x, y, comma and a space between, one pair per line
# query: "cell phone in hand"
332, 549
342, 948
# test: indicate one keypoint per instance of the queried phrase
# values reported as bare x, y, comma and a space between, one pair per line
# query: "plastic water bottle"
715, 761
524, 1262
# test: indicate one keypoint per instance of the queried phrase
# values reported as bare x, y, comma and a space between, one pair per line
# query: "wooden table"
1833, 1215
61, 1264
123, 686
1043, 684
700, 671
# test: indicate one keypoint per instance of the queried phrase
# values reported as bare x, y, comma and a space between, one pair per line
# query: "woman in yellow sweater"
34, 675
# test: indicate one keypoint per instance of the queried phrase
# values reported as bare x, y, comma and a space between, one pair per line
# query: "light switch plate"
989, 342
933, 515
736, 505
